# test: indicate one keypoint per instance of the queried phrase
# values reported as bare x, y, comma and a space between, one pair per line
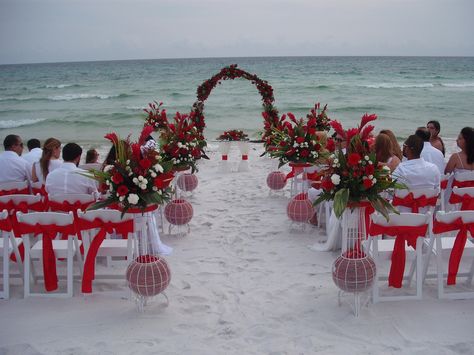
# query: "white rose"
140, 178
366, 157
153, 174
335, 179
133, 199
108, 168
135, 181
143, 186
374, 181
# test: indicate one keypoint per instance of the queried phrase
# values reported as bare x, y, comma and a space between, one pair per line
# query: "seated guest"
12, 166
92, 156
434, 127
396, 147
48, 162
384, 151
34, 154
68, 178
464, 160
430, 153
415, 172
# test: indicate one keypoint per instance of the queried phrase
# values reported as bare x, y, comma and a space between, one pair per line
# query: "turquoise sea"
82, 101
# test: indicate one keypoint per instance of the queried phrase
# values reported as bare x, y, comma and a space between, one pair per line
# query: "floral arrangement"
156, 116
355, 175
297, 141
137, 178
233, 135
181, 143
322, 119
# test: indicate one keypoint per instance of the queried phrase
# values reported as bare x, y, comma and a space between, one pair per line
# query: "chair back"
104, 215
449, 217
24, 203
5, 224
38, 188
414, 200
463, 196
402, 219
46, 218
69, 202
464, 179
14, 187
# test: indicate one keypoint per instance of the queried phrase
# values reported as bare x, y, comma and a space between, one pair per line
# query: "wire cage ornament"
276, 180
187, 182
179, 213
354, 270
300, 209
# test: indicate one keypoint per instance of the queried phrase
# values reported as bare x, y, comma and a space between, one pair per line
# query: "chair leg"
439, 267
419, 267
6, 268
471, 272
26, 268
70, 260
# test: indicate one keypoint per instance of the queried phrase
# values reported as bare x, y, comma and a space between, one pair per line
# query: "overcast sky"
33, 31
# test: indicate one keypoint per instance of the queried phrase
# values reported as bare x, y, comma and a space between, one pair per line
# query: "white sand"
242, 283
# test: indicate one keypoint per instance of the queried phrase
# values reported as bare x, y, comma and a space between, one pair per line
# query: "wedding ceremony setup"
313, 235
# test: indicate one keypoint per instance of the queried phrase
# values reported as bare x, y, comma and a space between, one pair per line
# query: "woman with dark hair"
48, 162
434, 127
110, 158
395, 146
464, 160
384, 151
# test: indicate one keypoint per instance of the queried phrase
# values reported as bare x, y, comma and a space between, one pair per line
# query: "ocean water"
83, 101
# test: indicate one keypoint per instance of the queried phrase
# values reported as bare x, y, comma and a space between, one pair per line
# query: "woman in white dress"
48, 162
464, 160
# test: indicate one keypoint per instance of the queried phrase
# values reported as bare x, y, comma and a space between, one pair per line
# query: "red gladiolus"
351, 133
327, 185
336, 125
146, 131
112, 137
122, 190
117, 178
353, 159
366, 119
366, 132
367, 183
145, 163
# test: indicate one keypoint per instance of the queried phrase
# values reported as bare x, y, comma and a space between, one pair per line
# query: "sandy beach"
242, 283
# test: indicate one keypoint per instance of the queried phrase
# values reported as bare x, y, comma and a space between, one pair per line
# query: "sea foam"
20, 123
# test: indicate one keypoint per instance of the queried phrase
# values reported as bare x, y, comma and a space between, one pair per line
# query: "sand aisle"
242, 283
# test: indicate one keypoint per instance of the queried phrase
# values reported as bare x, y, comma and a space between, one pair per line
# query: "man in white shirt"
430, 153
415, 172
67, 178
12, 166
35, 151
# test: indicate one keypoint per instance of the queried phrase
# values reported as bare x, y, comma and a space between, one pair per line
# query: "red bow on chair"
49, 258
67, 206
414, 203
402, 233
5, 226
444, 184
122, 228
466, 201
25, 191
459, 243
469, 183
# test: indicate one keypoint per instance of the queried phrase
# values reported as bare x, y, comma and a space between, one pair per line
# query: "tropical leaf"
341, 198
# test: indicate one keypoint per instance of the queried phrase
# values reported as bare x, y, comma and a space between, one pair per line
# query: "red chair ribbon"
25, 191
414, 203
122, 228
402, 233
149, 208
5, 225
66, 206
444, 184
49, 258
466, 201
245, 157
469, 183
459, 243
224, 156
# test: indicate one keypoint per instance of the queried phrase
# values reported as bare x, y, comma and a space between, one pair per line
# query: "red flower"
304, 153
369, 169
122, 190
365, 133
366, 119
117, 178
353, 159
351, 133
336, 125
330, 145
327, 184
112, 137
299, 140
163, 181
145, 163
367, 183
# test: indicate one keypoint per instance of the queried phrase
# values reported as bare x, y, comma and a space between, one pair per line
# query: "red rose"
353, 159
330, 145
369, 169
311, 131
145, 163
327, 185
117, 178
304, 153
122, 190
299, 140
163, 181
367, 183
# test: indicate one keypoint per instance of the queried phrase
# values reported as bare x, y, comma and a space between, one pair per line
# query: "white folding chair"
462, 198
420, 200
414, 225
14, 188
91, 223
461, 222
70, 202
463, 179
444, 188
8, 244
48, 224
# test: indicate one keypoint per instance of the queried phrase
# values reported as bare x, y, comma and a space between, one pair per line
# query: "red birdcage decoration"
179, 212
276, 180
148, 275
300, 209
187, 182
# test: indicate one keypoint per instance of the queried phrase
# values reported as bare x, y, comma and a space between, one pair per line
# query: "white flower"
153, 174
154, 188
371, 176
386, 168
366, 157
127, 162
130, 173
374, 180
143, 186
135, 181
121, 198
144, 181
140, 178
335, 161
133, 199
107, 182
108, 168
335, 179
